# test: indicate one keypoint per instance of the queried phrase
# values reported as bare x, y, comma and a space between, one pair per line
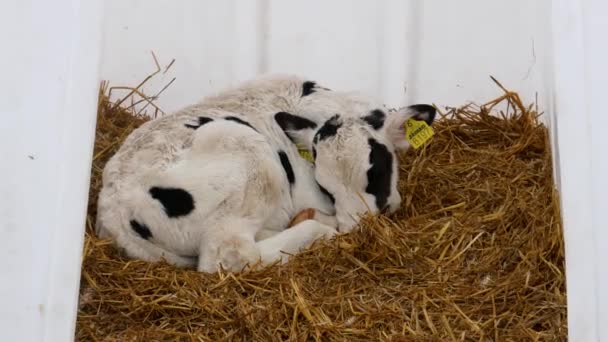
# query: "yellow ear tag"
305, 153
417, 132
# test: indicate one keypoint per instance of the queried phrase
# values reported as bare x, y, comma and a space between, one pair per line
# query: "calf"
216, 183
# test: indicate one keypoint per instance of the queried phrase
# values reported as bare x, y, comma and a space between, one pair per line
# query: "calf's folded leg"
293, 240
230, 244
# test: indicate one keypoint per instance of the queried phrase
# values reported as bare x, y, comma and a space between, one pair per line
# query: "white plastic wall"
580, 55
48, 94
400, 51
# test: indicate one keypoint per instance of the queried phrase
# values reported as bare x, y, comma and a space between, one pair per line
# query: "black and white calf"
217, 182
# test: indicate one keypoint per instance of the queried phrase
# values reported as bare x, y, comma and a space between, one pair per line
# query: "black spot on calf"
375, 118
241, 121
291, 177
177, 202
141, 229
308, 88
289, 122
327, 193
380, 173
329, 129
201, 121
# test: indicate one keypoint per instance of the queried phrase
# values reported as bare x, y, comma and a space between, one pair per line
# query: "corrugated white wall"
400, 51
48, 101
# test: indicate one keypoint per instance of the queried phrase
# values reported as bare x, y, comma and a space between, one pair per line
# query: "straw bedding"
476, 253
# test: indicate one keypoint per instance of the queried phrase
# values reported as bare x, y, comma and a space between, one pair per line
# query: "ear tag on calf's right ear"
417, 132
305, 153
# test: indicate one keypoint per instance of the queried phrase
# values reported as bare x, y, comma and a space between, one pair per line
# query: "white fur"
243, 200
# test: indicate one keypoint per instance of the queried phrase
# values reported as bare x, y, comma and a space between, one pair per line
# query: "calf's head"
355, 159
356, 162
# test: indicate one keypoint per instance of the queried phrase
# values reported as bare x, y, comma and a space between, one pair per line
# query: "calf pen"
476, 252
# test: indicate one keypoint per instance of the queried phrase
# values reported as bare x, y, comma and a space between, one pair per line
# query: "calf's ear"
297, 128
395, 122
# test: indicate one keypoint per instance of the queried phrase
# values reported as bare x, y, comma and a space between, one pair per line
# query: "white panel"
335, 42
51, 54
214, 43
596, 74
349, 45
400, 51
398, 23
580, 73
462, 42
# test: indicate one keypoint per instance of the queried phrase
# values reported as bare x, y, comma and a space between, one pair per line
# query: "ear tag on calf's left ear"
305, 153
417, 132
